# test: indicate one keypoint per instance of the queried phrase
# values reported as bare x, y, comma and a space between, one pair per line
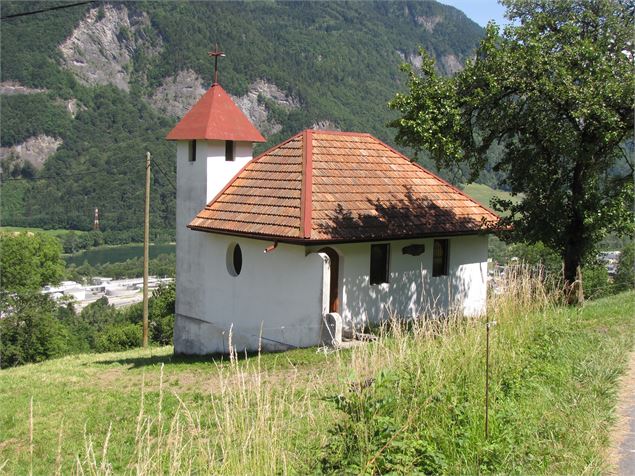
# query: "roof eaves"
316, 242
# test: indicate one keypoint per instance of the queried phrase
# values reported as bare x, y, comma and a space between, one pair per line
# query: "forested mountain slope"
95, 86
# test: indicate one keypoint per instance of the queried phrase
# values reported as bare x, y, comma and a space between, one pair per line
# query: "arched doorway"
334, 291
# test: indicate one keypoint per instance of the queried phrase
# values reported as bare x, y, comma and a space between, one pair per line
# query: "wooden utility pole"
146, 254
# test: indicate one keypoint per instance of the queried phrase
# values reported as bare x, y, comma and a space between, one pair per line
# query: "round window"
234, 259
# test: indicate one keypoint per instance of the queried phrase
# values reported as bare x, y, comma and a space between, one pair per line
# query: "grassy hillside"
484, 194
411, 400
58, 233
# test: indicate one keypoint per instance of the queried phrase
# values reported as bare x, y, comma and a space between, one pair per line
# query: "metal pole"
146, 239
487, 379
488, 325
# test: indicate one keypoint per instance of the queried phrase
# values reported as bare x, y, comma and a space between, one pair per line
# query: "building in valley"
325, 228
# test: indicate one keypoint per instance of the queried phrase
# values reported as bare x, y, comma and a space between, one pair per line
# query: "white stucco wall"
198, 182
277, 296
412, 290
282, 295
219, 171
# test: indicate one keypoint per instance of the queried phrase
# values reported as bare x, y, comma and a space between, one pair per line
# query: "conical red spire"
215, 117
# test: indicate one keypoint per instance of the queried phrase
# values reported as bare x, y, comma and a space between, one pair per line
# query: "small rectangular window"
229, 151
191, 151
379, 263
440, 258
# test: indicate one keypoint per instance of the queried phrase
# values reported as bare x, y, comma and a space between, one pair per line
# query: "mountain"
85, 91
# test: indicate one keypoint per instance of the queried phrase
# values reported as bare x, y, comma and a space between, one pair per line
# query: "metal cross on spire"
215, 54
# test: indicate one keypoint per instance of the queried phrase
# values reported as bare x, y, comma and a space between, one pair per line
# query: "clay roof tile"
336, 186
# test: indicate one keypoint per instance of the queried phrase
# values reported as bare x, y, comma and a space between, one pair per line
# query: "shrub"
376, 435
162, 314
117, 337
595, 280
625, 277
162, 330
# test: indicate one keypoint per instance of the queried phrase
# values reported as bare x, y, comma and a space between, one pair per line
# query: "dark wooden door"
334, 290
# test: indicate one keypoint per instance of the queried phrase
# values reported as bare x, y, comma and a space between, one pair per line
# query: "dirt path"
622, 454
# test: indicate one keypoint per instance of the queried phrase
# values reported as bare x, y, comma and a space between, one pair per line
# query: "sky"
481, 11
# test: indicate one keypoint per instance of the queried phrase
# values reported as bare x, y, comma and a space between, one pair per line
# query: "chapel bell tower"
214, 142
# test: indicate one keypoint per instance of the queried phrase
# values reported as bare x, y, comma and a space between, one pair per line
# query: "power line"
53, 177
33, 12
76, 174
164, 174
50, 177
108, 215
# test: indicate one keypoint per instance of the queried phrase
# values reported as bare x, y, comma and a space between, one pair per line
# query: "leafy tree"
95, 238
28, 170
28, 115
29, 261
71, 242
94, 319
535, 254
625, 277
80, 333
30, 330
556, 91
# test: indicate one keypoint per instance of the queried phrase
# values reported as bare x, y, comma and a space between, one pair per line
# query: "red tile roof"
215, 117
321, 186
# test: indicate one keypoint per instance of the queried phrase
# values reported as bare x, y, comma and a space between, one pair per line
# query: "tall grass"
413, 400
250, 424
552, 385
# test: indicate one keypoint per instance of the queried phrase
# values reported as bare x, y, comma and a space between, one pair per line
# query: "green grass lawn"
484, 194
87, 393
54, 232
553, 390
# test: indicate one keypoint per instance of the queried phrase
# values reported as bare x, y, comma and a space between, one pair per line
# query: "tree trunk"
574, 250
573, 278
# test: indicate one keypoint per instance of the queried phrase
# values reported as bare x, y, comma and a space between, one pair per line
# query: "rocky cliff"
34, 150
101, 47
